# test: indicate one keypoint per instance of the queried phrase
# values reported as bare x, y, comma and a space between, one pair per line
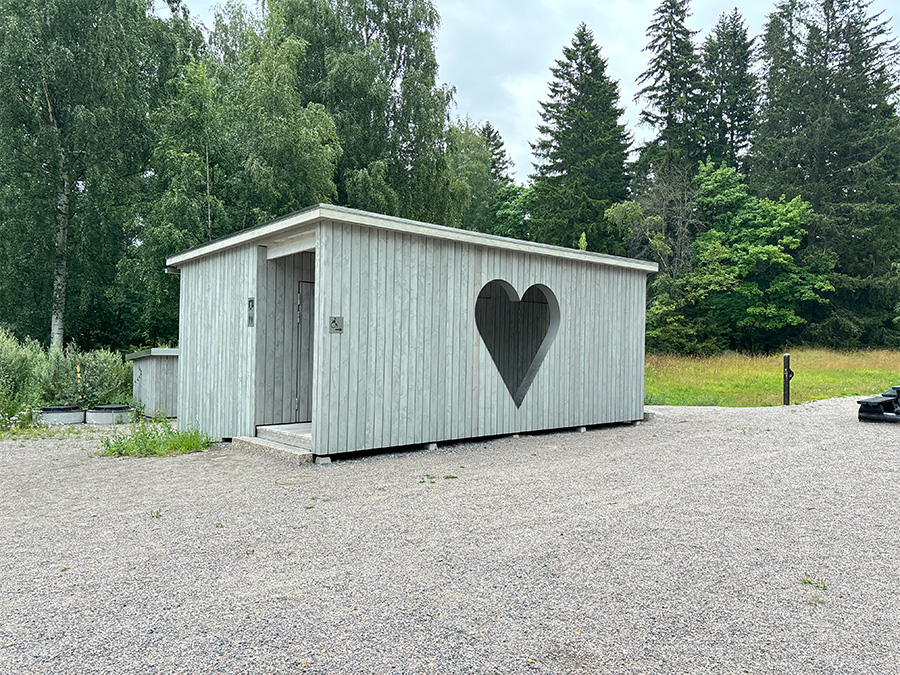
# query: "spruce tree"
501, 164
581, 151
829, 132
672, 88
730, 87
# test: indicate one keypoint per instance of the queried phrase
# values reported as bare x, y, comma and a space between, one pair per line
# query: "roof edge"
321, 212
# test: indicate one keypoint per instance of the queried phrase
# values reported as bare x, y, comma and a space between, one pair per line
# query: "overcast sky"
498, 53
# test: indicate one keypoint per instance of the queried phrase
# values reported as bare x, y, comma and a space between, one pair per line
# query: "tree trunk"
60, 269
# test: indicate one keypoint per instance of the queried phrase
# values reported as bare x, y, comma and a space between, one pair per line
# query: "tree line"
768, 193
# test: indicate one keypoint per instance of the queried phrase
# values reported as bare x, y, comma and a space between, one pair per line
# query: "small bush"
15, 413
71, 377
32, 377
154, 439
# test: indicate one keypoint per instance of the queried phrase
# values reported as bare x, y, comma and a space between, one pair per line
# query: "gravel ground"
680, 545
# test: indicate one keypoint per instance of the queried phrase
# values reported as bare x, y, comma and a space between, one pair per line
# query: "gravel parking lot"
707, 540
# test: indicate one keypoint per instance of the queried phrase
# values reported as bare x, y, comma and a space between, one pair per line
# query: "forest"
769, 193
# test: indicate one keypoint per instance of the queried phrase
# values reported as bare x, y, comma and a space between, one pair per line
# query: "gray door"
305, 296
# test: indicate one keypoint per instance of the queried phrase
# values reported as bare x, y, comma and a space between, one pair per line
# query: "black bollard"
788, 374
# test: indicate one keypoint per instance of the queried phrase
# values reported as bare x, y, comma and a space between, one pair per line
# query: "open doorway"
305, 321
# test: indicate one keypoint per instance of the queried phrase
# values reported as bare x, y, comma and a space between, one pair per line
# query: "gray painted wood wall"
217, 347
411, 366
155, 381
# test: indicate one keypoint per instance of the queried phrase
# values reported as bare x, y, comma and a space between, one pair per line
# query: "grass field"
739, 380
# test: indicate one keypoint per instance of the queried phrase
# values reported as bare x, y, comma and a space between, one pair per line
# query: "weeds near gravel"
815, 599
818, 583
42, 431
428, 478
154, 439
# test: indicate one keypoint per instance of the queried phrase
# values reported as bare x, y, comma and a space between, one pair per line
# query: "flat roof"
155, 351
308, 218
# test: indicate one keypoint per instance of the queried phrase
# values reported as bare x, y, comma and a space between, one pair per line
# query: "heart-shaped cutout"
517, 332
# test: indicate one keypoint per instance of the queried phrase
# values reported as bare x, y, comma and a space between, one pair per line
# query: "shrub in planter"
31, 377
57, 377
85, 379
106, 378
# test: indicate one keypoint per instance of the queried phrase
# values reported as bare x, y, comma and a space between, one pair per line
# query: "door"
305, 297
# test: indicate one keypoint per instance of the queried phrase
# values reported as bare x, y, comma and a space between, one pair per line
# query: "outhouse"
359, 331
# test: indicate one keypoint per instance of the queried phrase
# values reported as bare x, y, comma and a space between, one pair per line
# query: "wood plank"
378, 398
334, 339
389, 308
401, 341
414, 336
369, 291
350, 419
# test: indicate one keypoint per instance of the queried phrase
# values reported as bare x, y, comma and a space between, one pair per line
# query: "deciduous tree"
750, 288
77, 82
372, 65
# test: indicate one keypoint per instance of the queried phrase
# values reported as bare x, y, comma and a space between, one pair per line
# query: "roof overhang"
296, 232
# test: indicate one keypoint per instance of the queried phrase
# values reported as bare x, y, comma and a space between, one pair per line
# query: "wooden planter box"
155, 381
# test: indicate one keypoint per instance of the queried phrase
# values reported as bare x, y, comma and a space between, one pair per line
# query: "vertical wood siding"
411, 366
155, 384
217, 349
284, 345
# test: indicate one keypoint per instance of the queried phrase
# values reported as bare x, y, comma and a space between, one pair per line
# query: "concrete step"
285, 436
290, 454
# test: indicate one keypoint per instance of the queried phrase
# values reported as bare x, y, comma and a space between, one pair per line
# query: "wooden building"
378, 332
155, 381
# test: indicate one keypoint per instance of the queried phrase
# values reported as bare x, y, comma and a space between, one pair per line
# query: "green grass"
154, 439
739, 380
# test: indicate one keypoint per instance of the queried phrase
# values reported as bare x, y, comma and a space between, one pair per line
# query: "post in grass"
788, 374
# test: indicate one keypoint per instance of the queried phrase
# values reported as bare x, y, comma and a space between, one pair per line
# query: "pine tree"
581, 151
730, 89
829, 132
672, 87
